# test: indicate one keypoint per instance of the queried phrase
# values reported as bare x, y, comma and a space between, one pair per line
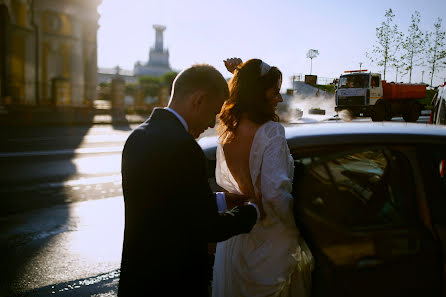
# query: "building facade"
48, 51
158, 62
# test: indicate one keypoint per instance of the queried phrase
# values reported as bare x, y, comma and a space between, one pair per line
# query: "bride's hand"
232, 63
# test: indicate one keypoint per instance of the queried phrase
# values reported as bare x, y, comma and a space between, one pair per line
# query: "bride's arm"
276, 177
232, 63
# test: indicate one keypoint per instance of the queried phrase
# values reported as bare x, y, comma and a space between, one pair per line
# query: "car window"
358, 189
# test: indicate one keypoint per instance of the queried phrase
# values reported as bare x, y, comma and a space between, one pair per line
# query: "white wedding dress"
273, 259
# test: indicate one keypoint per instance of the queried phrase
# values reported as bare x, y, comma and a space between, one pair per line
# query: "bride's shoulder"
272, 129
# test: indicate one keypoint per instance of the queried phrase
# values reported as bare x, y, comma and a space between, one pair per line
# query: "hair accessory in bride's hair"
264, 68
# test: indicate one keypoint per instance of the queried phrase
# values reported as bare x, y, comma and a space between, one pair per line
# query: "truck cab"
357, 90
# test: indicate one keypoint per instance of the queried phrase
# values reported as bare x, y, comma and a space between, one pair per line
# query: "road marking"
79, 151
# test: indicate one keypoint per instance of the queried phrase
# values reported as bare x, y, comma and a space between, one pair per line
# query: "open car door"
357, 209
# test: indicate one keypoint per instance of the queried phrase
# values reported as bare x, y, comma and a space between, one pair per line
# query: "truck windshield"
354, 81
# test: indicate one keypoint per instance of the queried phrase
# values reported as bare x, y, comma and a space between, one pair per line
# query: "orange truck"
363, 93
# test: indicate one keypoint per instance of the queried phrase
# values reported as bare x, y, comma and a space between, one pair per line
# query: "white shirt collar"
179, 117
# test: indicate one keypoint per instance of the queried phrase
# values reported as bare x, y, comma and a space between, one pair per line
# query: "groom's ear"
197, 99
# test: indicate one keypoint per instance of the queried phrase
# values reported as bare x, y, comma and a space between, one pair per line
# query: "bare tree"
413, 46
388, 41
436, 49
311, 54
399, 69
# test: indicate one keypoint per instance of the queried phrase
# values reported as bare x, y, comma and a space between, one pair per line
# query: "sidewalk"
49, 116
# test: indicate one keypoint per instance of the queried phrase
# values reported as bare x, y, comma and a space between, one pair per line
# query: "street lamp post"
422, 76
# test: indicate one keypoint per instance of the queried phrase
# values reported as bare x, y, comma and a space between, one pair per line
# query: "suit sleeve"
198, 207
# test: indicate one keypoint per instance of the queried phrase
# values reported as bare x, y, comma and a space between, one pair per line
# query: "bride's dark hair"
247, 97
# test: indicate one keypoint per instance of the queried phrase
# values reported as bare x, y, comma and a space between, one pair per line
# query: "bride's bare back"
237, 155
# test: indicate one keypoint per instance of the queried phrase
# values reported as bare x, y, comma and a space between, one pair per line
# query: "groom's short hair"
199, 77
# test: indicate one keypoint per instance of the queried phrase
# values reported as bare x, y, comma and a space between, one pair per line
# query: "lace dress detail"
273, 259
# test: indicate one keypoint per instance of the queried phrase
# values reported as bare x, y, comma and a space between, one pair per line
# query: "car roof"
357, 133
351, 133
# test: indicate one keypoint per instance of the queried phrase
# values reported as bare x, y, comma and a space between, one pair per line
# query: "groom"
171, 213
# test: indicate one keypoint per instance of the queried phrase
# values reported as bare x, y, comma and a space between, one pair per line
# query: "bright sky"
279, 32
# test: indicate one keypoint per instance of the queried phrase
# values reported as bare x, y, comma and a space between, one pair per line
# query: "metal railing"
320, 80
115, 70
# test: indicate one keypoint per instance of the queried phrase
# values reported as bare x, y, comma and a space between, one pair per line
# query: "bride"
253, 159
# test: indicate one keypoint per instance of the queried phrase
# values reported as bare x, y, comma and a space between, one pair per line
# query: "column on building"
5, 61
90, 60
92, 57
56, 56
77, 65
21, 54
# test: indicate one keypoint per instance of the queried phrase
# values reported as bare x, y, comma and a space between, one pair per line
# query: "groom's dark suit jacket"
170, 212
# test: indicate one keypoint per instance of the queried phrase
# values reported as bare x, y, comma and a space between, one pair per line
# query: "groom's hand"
233, 200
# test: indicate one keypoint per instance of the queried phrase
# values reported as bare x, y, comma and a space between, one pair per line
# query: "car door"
432, 165
375, 88
357, 209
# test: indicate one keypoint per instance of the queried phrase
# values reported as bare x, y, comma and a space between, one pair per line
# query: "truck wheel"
389, 114
378, 113
412, 113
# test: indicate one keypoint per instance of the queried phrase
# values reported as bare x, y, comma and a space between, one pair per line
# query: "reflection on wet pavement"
38, 195
83, 242
103, 285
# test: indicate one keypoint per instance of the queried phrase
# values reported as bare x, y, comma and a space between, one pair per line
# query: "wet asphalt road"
61, 214
62, 210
